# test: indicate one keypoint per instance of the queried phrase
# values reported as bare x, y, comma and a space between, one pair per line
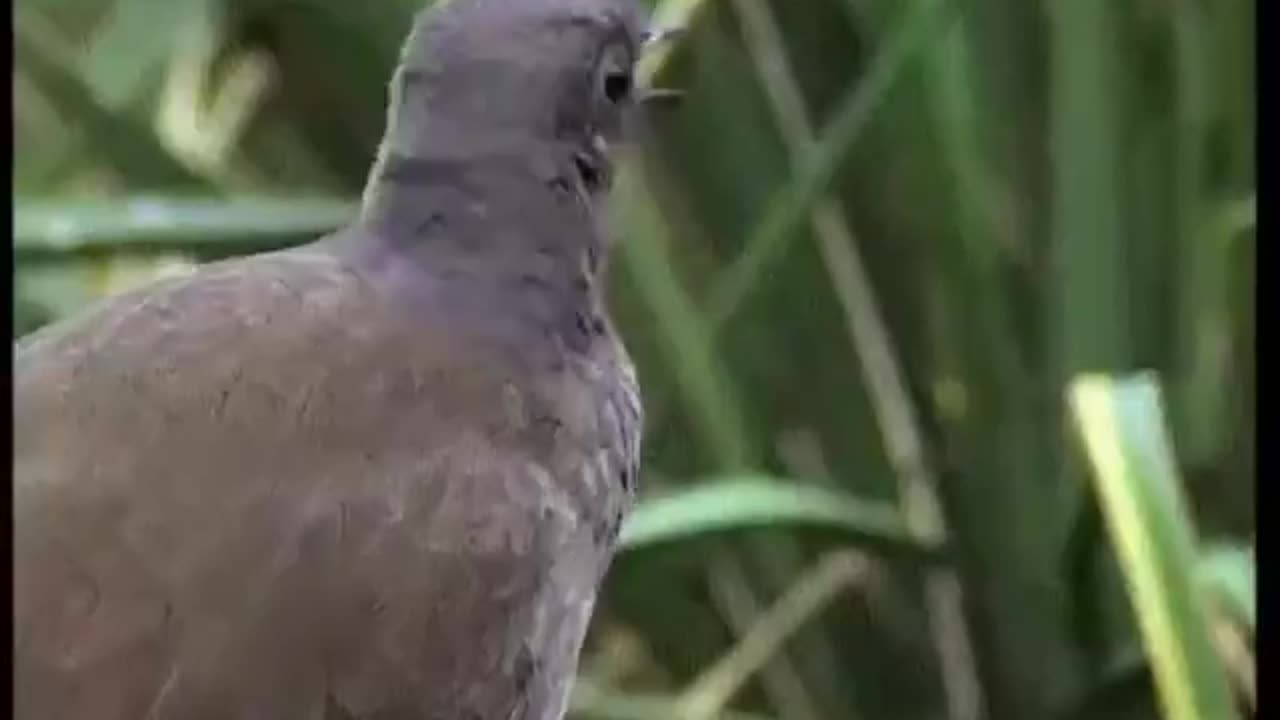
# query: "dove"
380, 475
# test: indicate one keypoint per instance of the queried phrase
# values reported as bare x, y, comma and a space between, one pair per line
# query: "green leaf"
791, 208
49, 231
1237, 218
749, 503
685, 339
127, 51
1089, 241
126, 142
1122, 426
1229, 576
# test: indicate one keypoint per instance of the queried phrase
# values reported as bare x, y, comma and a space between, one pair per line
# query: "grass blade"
785, 215
1229, 575
748, 503
51, 231
129, 145
126, 52
1122, 426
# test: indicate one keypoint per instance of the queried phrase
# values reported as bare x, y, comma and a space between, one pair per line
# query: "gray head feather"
484, 76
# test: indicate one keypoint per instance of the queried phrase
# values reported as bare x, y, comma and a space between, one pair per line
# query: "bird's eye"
613, 74
617, 85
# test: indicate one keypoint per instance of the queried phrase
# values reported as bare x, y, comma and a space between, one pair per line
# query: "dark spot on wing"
431, 224
334, 710
526, 666
562, 187
533, 280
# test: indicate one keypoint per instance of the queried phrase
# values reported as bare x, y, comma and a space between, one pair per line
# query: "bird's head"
549, 78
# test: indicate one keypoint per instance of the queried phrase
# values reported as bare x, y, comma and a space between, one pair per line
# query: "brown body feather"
379, 476
270, 491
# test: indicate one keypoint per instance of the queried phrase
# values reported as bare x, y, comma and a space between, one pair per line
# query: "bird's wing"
254, 493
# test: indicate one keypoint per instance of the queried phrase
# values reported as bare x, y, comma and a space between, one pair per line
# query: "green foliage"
858, 270
751, 503
1123, 430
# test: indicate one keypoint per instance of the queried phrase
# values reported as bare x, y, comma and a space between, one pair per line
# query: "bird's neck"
512, 233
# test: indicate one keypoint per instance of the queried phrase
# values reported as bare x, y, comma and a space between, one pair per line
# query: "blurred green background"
943, 309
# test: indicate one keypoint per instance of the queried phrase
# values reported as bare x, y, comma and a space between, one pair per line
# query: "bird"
377, 476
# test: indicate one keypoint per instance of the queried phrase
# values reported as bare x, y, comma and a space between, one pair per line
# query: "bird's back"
273, 490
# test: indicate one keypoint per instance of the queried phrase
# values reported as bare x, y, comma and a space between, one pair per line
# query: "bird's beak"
654, 39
